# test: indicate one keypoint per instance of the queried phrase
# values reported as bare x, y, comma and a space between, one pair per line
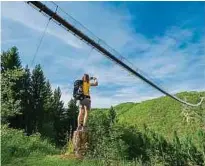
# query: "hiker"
85, 103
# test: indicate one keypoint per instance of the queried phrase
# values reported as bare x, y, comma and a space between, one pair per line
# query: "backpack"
78, 90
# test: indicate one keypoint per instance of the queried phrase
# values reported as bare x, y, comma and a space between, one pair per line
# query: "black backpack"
78, 90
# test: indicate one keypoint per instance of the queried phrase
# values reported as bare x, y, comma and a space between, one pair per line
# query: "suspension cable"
87, 59
42, 36
40, 41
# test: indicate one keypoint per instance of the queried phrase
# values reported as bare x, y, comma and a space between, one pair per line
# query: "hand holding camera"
95, 81
93, 78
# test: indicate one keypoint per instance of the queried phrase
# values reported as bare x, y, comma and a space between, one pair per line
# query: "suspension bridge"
88, 37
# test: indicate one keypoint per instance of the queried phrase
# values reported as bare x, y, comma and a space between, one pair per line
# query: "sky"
165, 41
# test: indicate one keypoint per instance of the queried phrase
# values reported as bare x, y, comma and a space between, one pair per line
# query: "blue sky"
166, 40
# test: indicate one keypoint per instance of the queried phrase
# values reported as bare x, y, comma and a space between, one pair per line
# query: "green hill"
164, 115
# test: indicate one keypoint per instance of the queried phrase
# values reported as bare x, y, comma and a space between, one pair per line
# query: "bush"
113, 142
14, 143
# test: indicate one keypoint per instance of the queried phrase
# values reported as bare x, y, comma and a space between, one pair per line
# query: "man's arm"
95, 83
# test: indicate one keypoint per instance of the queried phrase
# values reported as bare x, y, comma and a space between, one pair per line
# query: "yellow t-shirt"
86, 88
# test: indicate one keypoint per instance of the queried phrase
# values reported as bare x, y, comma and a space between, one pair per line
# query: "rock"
80, 142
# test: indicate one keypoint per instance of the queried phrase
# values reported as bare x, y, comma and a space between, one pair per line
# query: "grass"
58, 161
46, 160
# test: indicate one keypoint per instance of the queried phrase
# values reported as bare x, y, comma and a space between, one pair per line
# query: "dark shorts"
85, 102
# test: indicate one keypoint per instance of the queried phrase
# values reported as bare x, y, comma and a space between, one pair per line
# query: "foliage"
10, 60
105, 139
112, 115
69, 149
11, 74
119, 142
14, 143
10, 105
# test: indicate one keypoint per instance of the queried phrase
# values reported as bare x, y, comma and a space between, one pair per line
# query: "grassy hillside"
164, 115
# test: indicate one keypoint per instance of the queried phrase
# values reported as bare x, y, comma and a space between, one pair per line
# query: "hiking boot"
84, 128
79, 127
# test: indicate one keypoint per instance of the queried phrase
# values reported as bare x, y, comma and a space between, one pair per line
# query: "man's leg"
85, 116
80, 116
86, 108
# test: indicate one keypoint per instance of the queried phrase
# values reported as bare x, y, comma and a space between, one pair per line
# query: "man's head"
86, 78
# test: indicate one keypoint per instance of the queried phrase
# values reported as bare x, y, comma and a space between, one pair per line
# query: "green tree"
72, 114
26, 101
11, 74
38, 95
22, 93
48, 101
112, 115
58, 117
10, 106
10, 60
49, 109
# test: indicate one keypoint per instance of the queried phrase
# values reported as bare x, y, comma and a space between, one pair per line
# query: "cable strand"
40, 41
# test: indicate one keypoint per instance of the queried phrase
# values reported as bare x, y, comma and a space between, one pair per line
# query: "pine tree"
112, 115
38, 94
58, 118
48, 107
26, 101
10, 60
72, 114
48, 121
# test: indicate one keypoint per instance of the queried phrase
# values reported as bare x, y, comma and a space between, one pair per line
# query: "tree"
49, 96
23, 94
26, 101
72, 114
48, 127
48, 104
112, 115
9, 105
38, 95
10, 60
11, 73
58, 117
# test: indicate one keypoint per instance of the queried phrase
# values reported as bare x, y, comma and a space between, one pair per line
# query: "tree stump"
80, 142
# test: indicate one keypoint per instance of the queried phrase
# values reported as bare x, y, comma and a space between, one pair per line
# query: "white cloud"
22, 13
105, 101
14, 40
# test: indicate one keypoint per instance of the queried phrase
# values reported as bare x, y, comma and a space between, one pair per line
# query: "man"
85, 103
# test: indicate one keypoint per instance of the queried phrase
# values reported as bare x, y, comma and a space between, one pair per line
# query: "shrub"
14, 143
